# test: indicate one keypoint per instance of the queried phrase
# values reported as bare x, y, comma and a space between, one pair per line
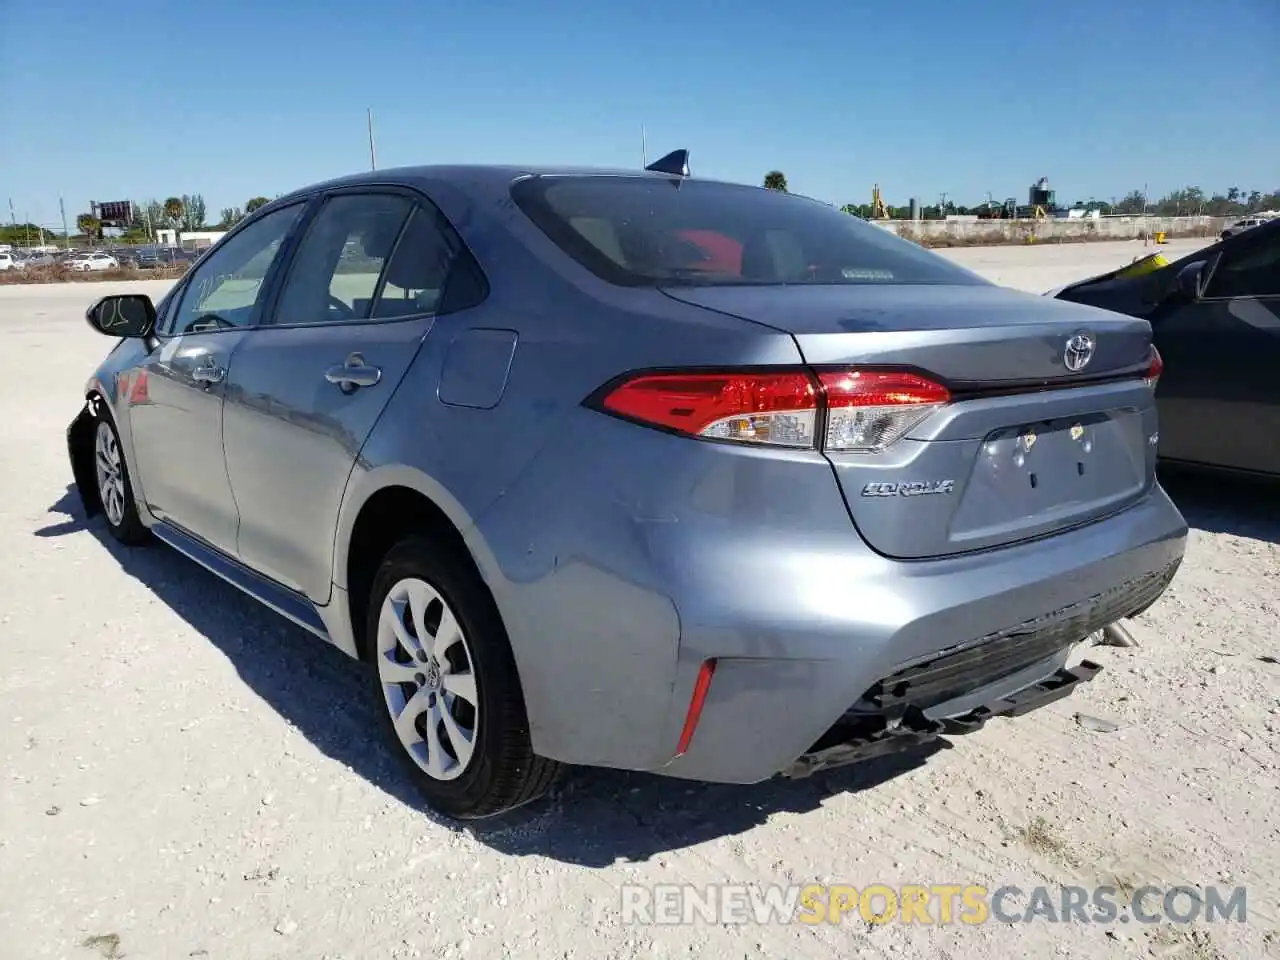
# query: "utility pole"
373, 157
66, 234
644, 150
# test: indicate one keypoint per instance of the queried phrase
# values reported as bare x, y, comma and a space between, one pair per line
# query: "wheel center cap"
432, 681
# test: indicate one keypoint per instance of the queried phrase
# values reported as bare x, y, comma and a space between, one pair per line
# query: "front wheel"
115, 491
447, 679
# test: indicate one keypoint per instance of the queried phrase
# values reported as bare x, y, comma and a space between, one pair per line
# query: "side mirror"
1190, 283
123, 315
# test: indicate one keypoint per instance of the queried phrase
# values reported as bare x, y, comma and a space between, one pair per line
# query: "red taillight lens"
1155, 369
870, 409
774, 408
866, 409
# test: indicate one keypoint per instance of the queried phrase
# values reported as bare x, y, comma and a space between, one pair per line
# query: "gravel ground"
209, 781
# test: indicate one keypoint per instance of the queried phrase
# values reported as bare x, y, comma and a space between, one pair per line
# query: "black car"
1215, 318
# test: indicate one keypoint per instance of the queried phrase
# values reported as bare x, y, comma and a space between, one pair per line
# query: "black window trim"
420, 203
180, 290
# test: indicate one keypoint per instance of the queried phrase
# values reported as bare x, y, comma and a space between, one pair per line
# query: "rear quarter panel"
575, 620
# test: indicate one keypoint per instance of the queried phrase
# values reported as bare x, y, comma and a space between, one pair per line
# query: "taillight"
870, 409
1154, 369
774, 408
857, 410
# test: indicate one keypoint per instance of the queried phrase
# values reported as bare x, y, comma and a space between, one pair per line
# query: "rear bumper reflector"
700, 689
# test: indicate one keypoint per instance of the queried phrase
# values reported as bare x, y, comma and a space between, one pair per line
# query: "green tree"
1133, 202
254, 204
230, 217
89, 225
173, 211
193, 211
775, 180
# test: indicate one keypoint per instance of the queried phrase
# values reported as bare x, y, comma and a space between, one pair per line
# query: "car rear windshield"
655, 230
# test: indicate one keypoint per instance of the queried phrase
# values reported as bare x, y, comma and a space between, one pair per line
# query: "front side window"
1250, 270
639, 231
226, 290
335, 274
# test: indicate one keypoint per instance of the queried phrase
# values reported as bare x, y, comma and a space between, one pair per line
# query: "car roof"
469, 176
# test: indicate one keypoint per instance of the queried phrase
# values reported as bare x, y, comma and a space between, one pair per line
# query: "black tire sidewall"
503, 728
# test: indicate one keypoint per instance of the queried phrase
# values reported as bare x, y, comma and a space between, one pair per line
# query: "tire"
418, 581
115, 488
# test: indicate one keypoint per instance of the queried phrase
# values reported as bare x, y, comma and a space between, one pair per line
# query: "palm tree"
775, 180
88, 224
255, 203
173, 210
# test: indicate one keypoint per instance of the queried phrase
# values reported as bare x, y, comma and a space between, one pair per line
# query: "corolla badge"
1079, 351
911, 488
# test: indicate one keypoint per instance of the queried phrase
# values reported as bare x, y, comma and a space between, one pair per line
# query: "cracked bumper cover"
915, 728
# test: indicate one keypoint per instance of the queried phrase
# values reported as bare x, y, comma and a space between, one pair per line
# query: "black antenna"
675, 163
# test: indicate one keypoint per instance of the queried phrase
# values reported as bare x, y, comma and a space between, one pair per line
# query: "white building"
188, 239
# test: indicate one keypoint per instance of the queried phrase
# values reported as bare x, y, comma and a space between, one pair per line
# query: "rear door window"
334, 276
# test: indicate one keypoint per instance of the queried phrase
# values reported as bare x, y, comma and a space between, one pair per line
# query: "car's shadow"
594, 818
1225, 503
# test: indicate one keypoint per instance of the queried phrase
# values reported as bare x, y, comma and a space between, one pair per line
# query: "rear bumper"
921, 649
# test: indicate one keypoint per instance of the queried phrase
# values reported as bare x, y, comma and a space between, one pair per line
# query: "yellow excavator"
878, 210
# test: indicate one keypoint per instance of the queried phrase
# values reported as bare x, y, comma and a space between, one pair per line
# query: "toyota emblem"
1079, 352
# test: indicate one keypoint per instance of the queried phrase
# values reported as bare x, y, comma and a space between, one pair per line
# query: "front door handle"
353, 374
208, 372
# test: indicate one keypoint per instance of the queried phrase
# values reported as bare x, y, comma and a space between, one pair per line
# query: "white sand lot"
184, 774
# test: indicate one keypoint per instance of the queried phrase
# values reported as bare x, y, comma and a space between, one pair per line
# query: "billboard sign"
117, 211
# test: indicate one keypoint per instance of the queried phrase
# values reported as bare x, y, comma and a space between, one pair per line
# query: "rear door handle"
353, 374
208, 371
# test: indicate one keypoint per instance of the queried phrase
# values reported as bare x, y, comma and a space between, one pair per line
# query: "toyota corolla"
632, 469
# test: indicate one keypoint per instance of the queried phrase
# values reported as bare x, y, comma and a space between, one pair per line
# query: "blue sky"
232, 98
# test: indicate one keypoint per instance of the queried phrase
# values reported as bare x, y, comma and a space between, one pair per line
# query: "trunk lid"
1026, 448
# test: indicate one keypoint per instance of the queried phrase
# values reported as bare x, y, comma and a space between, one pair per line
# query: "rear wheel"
447, 679
115, 491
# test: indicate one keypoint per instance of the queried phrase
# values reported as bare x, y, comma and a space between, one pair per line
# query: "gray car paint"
621, 558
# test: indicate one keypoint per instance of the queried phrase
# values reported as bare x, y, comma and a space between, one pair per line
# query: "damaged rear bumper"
80, 452
913, 727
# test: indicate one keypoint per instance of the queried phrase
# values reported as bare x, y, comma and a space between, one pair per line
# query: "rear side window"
418, 270
647, 230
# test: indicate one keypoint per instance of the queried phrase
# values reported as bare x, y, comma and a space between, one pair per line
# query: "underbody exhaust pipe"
1115, 635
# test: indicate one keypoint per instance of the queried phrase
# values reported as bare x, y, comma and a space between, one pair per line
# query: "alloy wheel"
110, 474
428, 679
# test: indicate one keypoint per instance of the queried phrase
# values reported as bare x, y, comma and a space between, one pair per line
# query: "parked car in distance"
95, 260
1215, 317
1243, 224
631, 469
9, 262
